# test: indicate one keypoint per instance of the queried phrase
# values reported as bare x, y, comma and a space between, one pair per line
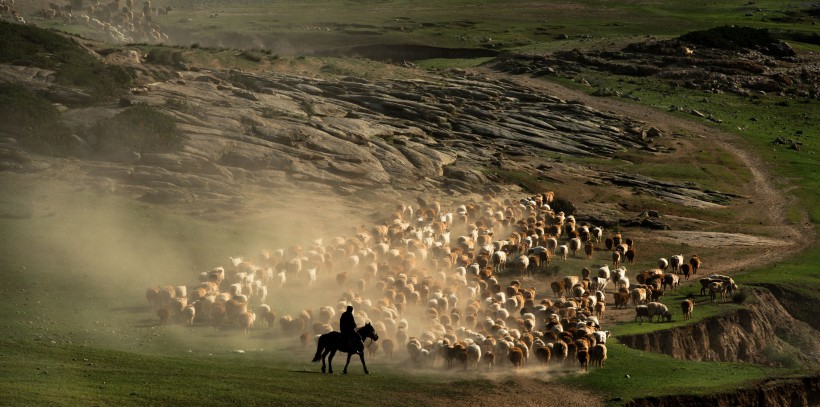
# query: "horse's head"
367, 331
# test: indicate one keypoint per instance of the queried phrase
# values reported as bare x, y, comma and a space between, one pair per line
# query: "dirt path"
769, 201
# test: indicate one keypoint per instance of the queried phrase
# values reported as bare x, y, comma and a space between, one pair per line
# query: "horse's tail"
319, 348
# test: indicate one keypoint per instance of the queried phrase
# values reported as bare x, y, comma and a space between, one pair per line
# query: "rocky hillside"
241, 131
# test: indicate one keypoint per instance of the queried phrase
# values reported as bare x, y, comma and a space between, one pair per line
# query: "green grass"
292, 27
445, 63
703, 309
45, 373
680, 376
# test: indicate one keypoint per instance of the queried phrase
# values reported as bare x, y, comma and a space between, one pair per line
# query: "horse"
332, 342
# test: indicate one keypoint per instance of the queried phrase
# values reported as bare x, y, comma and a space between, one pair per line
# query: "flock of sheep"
429, 280
117, 21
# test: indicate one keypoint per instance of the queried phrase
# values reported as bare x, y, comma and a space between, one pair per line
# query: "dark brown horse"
332, 342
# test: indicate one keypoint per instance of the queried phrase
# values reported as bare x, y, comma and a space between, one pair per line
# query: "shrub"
165, 56
784, 359
74, 66
140, 128
736, 38
33, 120
252, 56
740, 296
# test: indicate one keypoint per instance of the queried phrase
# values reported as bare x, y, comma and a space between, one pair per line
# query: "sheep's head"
668, 316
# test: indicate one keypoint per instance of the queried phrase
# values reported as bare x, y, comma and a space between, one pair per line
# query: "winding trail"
770, 201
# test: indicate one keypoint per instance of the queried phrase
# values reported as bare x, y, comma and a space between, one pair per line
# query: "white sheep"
675, 261
562, 251
660, 310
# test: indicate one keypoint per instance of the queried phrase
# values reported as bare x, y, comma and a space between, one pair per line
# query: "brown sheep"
560, 351
543, 354
598, 355
654, 294
621, 299
695, 263
583, 359
609, 243
489, 359
600, 308
246, 320
630, 255
558, 287
516, 357
616, 259
589, 248
686, 307
638, 296
686, 270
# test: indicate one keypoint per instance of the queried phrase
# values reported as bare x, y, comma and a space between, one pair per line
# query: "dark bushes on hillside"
140, 128
165, 56
736, 38
74, 66
33, 120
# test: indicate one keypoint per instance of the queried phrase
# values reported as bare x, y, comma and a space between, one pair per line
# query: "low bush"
140, 128
740, 296
165, 56
73, 65
33, 120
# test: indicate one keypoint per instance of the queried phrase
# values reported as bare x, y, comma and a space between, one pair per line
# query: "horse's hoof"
366, 372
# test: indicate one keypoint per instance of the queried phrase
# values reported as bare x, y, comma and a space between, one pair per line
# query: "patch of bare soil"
525, 391
716, 239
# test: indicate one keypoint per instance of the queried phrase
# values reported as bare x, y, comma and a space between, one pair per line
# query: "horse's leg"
323, 359
330, 361
364, 365
349, 354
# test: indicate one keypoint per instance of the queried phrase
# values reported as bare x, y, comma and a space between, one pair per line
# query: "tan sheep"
598, 355
246, 320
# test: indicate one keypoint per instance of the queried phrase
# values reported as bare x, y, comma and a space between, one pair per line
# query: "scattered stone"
653, 132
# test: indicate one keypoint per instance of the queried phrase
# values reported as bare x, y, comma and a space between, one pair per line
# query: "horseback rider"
347, 324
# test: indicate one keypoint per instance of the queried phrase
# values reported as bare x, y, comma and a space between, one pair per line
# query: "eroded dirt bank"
777, 392
762, 332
